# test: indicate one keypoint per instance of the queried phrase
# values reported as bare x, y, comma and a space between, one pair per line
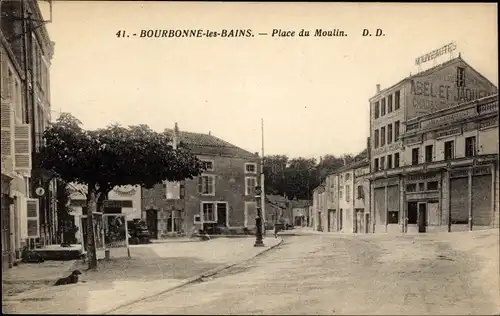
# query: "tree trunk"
92, 198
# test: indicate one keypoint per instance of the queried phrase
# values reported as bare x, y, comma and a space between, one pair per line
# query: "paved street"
424, 274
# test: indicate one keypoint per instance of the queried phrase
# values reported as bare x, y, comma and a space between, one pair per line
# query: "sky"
311, 92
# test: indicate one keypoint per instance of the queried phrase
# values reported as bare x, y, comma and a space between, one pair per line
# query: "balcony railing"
39, 141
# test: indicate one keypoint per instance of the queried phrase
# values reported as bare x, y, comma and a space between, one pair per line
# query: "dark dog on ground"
70, 279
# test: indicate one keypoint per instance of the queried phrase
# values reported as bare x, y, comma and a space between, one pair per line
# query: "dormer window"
250, 167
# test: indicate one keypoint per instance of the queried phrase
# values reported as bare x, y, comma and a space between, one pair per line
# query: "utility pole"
262, 178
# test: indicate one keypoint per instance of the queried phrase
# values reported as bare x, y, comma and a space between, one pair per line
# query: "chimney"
209, 133
343, 159
378, 88
175, 139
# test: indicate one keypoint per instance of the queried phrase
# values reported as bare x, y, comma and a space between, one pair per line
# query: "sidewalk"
151, 270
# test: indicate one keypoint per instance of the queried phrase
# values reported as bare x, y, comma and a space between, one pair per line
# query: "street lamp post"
258, 218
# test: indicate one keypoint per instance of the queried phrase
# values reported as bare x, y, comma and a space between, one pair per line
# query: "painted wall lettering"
448, 118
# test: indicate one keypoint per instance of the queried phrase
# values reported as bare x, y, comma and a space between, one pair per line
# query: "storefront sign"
488, 107
413, 140
448, 48
449, 132
391, 147
488, 123
459, 173
449, 118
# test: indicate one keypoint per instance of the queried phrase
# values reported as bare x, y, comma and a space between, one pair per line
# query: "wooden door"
422, 217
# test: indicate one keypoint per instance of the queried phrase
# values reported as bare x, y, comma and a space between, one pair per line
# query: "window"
250, 184
341, 193
382, 136
382, 107
377, 139
347, 193
206, 185
389, 104
389, 133
470, 146
412, 187
449, 150
197, 219
396, 160
208, 165
428, 153
421, 187
392, 217
396, 131
251, 168
377, 110
389, 161
361, 193
432, 186
375, 164
460, 77
382, 163
208, 211
414, 156
347, 176
396, 100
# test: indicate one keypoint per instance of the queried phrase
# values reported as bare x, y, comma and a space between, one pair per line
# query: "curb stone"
190, 280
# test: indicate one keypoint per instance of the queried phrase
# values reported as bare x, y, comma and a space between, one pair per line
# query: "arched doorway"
152, 221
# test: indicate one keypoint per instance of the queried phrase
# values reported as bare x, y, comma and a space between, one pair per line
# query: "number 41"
120, 33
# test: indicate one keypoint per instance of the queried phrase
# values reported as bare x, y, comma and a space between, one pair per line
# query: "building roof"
430, 71
209, 145
353, 165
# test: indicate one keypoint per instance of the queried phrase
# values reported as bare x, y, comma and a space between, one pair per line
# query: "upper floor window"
361, 193
389, 161
389, 103
396, 160
250, 167
460, 77
206, 185
396, 100
415, 154
428, 153
389, 133
347, 176
449, 150
250, 184
377, 110
470, 146
376, 139
382, 107
347, 193
375, 164
208, 165
382, 136
396, 131
382, 163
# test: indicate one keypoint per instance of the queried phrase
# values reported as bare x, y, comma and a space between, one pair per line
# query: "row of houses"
220, 200
432, 159
28, 200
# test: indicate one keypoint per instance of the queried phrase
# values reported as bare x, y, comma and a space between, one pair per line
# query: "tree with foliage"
108, 157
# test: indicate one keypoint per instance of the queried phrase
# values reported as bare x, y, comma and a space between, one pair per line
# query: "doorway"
422, 217
332, 216
341, 219
222, 214
359, 220
412, 212
152, 221
367, 223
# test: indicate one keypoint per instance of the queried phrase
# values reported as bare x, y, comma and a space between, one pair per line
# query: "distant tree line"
297, 177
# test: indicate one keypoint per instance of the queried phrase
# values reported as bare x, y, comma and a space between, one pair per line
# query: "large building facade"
25, 61
391, 113
223, 197
449, 177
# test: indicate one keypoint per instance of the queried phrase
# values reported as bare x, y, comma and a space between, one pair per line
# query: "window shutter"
164, 184
210, 185
22, 147
33, 218
7, 139
200, 185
